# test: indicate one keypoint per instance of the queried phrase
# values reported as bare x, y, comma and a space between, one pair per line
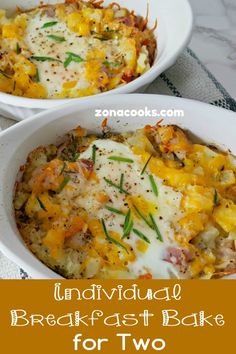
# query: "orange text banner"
145, 316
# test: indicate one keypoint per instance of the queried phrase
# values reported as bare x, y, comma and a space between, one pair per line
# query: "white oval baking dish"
211, 124
175, 22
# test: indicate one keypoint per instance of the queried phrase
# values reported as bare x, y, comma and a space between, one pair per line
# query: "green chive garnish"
116, 186
109, 238
56, 38
37, 78
145, 166
128, 225
63, 184
143, 217
94, 149
216, 197
127, 219
141, 235
72, 57
18, 49
67, 62
102, 38
159, 236
4, 74
45, 59
110, 63
110, 30
122, 180
153, 184
76, 57
63, 168
113, 210
120, 159
75, 157
42, 206
128, 230
49, 24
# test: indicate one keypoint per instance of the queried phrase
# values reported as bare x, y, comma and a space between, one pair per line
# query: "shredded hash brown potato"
78, 48
146, 204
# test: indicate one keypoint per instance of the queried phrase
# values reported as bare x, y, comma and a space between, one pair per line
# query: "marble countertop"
214, 39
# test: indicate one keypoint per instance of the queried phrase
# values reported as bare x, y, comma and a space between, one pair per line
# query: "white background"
214, 39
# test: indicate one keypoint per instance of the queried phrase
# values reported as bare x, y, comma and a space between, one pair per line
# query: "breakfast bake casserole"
73, 49
145, 204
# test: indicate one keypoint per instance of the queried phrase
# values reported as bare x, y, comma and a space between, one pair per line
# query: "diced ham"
51, 12
79, 240
178, 256
128, 76
128, 21
87, 164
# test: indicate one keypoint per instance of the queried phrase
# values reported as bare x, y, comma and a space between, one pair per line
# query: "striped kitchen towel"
188, 78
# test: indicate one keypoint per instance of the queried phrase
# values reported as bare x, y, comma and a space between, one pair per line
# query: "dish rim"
31, 264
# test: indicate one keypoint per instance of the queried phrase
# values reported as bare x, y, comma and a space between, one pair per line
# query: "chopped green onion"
116, 186
141, 235
216, 197
72, 57
145, 166
4, 74
37, 78
63, 184
42, 206
110, 63
49, 24
153, 184
113, 210
120, 159
110, 239
94, 149
159, 236
18, 49
56, 38
45, 59
143, 217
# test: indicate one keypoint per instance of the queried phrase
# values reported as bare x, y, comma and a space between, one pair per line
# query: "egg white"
166, 213
53, 74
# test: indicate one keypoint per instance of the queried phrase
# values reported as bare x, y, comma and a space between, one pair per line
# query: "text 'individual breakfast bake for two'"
145, 204
73, 49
